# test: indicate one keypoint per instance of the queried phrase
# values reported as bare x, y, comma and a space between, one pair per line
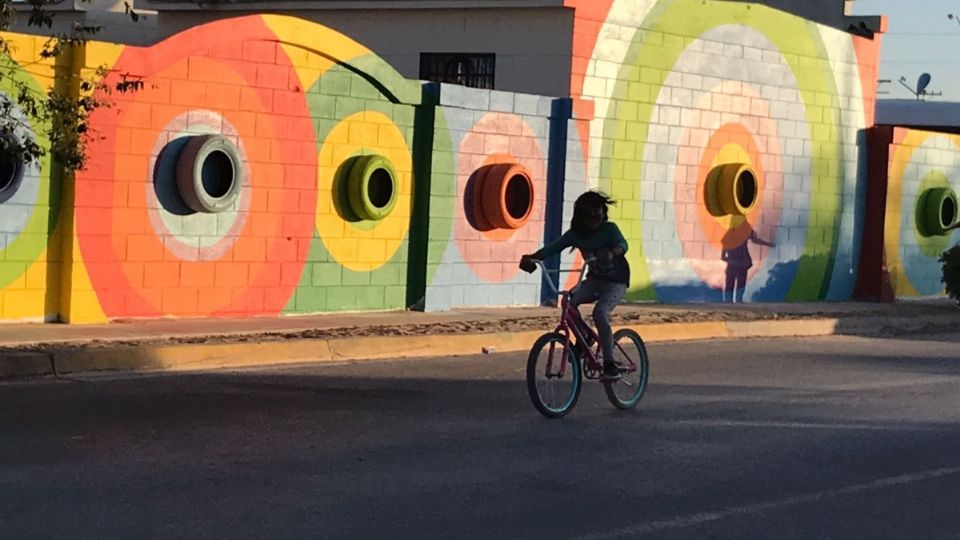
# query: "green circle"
33, 239
329, 104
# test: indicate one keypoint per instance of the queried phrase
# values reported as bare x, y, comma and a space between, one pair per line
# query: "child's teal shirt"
606, 237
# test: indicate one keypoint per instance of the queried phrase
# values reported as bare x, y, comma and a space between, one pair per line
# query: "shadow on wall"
471, 204
340, 195
781, 279
165, 178
51, 299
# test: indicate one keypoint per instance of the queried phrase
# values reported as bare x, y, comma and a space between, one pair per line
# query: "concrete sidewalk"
55, 349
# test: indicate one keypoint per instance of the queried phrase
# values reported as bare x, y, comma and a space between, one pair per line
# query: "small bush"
950, 260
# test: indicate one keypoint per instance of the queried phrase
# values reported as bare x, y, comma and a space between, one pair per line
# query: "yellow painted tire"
372, 187
507, 195
936, 210
737, 189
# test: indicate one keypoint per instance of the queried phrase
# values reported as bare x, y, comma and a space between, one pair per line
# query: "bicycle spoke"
631, 356
553, 380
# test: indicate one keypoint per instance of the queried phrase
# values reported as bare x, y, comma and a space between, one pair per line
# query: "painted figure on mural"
736, 253
599, 238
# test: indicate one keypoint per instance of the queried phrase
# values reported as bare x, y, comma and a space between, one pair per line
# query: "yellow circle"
366, 248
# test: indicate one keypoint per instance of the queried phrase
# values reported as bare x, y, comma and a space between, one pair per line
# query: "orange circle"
717, 230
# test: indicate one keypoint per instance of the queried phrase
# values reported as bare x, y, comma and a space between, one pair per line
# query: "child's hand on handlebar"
528, 263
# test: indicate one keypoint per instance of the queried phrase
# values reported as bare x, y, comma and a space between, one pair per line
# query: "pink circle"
702, 236
499, 138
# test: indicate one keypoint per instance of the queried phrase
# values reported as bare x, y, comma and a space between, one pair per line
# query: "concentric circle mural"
146, 252
919, 161
32, 207
730, 86
169, 217
356, 262
491, 252
359, 244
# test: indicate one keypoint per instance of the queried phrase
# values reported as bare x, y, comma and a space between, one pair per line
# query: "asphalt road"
812, 438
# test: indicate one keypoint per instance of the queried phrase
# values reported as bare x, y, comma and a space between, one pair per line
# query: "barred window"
468, 69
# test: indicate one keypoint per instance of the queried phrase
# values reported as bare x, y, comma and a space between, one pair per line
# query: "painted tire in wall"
206, 163
921, 163
11, 167
731, 189
490, 250
936, 210
372, 187
507, 195
736, 189
682, 81
359, 128
146, 252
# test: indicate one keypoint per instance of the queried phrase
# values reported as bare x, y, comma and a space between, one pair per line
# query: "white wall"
532, 44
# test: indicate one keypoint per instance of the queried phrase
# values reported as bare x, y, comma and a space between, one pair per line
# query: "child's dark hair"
590, 199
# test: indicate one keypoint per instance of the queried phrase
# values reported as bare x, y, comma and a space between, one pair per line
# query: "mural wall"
488, 194
270, 166
30, 250
221, 188
922, 179
732, 136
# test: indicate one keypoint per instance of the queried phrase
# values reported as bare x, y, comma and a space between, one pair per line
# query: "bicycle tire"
626, 392
572, 378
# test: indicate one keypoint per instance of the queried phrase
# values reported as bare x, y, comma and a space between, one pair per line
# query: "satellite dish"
922, 84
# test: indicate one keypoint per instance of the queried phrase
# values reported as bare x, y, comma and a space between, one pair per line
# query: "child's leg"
610, 296
588, 291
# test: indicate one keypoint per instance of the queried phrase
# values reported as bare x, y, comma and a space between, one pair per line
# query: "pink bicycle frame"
572, 322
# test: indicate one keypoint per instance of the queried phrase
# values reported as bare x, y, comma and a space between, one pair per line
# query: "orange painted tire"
477, 216
507, 195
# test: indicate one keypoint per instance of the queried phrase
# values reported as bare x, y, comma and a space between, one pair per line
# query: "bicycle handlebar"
583, 268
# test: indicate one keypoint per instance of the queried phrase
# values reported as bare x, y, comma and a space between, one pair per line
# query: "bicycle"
554, 380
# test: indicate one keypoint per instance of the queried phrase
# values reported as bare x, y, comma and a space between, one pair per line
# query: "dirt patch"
517, 324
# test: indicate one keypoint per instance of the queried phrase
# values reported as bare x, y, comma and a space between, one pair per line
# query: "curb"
194, 357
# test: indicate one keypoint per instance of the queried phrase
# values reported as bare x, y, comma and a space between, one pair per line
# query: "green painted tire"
372, 187
936, 210
209, 174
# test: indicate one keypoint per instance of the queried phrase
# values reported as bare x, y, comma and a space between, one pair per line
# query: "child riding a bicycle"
598, 239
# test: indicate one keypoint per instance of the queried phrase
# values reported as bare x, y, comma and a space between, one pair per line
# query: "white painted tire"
209, 174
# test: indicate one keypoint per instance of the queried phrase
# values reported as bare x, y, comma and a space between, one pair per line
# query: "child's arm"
554, 247
526, 261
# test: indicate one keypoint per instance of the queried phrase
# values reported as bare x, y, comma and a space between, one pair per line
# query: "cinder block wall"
297, 116
472, 264
661, 94
683, 86
30, 195
917, 161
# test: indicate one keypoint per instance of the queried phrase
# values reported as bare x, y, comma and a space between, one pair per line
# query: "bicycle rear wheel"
553, 376
631, 356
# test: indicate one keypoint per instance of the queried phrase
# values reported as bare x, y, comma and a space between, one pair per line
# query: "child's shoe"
610, 371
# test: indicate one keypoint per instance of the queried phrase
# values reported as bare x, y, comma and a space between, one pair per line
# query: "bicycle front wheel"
553, 376
631, 357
